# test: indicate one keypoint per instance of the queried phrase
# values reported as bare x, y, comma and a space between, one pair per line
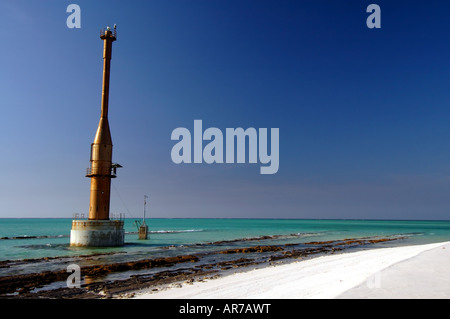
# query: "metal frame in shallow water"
97, 233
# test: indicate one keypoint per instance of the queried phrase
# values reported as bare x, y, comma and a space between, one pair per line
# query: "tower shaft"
100, 170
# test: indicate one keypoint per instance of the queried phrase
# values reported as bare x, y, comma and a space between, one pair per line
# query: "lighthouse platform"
97, 233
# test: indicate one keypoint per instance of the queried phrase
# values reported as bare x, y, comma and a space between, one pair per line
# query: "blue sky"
363, 113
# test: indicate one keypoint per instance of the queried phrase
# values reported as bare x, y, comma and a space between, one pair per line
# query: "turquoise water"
52, 235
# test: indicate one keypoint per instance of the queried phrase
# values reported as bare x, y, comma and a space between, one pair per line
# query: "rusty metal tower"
99, 230
102, 170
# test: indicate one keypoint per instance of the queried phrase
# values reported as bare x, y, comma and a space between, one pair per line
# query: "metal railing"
96, 171
77, 216
103, 171
114, 216
113, 32
117, 216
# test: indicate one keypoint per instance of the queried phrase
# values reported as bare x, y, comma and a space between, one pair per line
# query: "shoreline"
323, 269
416, 271
157, 273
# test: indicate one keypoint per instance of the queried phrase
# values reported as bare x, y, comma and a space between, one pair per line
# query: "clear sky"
363, 114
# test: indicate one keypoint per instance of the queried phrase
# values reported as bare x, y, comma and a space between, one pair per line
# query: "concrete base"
97, 233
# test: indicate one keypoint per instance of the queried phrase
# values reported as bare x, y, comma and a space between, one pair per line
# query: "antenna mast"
143, 229
145, 204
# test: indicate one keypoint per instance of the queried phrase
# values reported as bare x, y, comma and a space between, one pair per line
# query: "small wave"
411, 234
307, 234
162, 231
33, 237
44, 246
175, 231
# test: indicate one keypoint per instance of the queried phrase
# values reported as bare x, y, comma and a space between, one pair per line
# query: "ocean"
37, 245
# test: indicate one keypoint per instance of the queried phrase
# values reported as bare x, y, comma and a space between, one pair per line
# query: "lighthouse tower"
99, 230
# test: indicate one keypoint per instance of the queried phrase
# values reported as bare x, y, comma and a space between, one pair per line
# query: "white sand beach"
421, 271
